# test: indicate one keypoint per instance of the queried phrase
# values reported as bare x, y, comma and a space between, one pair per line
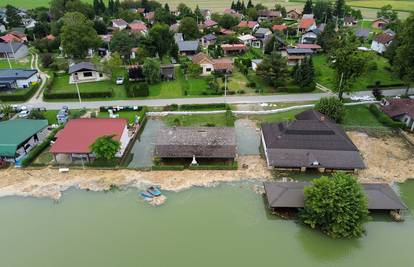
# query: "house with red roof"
74, 142
14, 37
268, 15
380, 23
119, 24
226, 32
209, 23
294, 14
138, 26
400, 109
150, 16
279, 27
307, 24
209, 65
253, 25
381, 42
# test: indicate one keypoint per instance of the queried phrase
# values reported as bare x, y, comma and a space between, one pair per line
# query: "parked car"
119, 80
24, 114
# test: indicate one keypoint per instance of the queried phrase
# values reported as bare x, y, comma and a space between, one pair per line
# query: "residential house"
312, 141
226, 32
350, 21
178, 37
13, 50
167, 72
268, 15
209, 24
400, 109
206, 13
119, 24
294, 14
14, 36
380, 23
138, 26
2, 28
18, 137
253, 25
188, 47
74, 142
296, 55
208, 39
11, 79
362, 33
150, 16
381, 42
262, 35
256, 63
249, 40
279, 27
29, 23
209, 65
306, 24
310, 36
233, 12
315, 47
196, 143
85, 72
229, 49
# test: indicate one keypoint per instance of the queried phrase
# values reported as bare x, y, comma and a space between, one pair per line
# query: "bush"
230, 119
372, 65
46, 59
251, 84
219, 106
384, 119
168, 168
232, 166
336, 205
15, 96
332, 107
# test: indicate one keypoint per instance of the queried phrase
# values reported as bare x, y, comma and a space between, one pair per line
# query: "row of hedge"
385, 119
386, 85
168, 168
37, 150
193, 107
233, 166
20, 97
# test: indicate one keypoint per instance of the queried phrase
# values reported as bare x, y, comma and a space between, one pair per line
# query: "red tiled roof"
383, 38
209, 23
279, 27
119, 22
233, 47
223, 64
399, 107
79, 134
226, 32
150, 15
11, 38
247, 24
137, 26
50, 37
202, 58
306, 23
308, 46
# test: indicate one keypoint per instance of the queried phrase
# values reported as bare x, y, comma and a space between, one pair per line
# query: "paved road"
202, 100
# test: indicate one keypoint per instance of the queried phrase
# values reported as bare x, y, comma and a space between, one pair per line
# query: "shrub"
168, 168
336, 205
331, 107
46, 59
372, 65
230, 118
384, 119
16, 96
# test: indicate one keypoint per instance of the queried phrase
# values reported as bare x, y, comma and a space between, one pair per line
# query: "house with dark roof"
380, 23
17, 78
268, 15
229, 49
294, 14
362, 33
290, 195
400, 109
315, 47
19, 136
310, 36
296, 55
13, 50
208, 39
381, 42
196, 143
188, 47
74, 141
86, 72
350, 21
167, 72
209, 24
312, 141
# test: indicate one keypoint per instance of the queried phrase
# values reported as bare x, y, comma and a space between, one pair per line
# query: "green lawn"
325, 74
21, 63
50, 115
360, 116
61, 84
276, 117
129, 115
196, 120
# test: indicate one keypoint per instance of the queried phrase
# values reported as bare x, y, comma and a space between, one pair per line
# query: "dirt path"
50, 183
388, 158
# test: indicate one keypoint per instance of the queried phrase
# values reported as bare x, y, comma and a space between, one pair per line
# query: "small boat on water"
154, 191
146, 195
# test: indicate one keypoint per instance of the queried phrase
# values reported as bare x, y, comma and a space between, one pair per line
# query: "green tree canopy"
227, 21
122, 43
307, 9
105, 147
161, 39
189, 28
273, 69
78, 35
151, 70
336, 205
13, 19
332, 107
388, 13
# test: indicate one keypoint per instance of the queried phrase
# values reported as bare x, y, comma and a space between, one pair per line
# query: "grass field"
325, 74
61, 84
21, 63
397, 5
196, 120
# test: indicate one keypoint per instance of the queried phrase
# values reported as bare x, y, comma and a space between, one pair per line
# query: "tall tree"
228, 21
78, 35
307, 9
197, 14
184, 10
403, 61
339, 8
388, 13
273, 69
327, 37
189, 28
322, 10
151, 70
57, 8
105, 147
348, 62
122, 43
13, 19
249, 4
161, 39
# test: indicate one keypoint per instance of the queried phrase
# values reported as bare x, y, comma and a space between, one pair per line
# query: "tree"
403, 60
327, 37
336, 205
339, 8
46, 59
332, 107
105, 147
13, 19
388, 13
273, 69
197, 14
161, 38
57, 8
114, 62
377, 92
122, 43
163, 15
36, 115
7, 110
81, 7
249, 4
184, 10
282, 10
348, 62
322, 11
78, 35
189, 28
151, 70
41, 29
100, 27
307, 9
228, 21
304, 74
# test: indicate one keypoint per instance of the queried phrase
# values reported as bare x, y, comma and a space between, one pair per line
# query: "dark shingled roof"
201, 142
16, 74
10, 47
82, 66
290, 195
310, 141
399, 107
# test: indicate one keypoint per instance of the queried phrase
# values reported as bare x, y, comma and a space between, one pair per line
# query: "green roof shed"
14, 133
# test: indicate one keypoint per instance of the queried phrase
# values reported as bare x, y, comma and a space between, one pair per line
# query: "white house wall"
26, 83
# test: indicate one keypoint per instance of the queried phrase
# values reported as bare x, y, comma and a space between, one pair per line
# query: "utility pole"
8, 60
225, 85
77, 88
